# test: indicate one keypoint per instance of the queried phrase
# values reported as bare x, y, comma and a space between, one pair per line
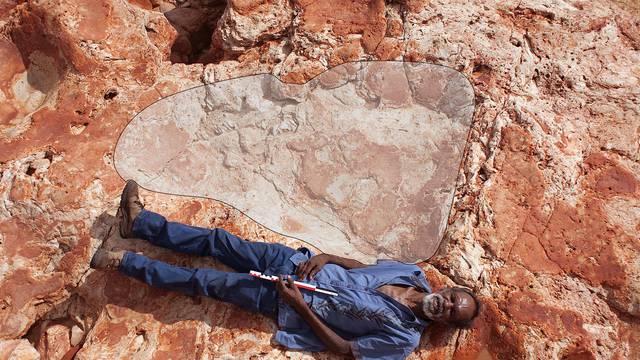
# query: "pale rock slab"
360, 161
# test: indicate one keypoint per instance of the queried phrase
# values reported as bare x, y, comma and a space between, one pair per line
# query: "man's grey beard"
432, 305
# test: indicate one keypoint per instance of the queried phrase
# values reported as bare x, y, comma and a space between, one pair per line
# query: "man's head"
456, 306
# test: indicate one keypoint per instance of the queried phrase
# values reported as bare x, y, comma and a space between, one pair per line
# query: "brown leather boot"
130, 207
106, 260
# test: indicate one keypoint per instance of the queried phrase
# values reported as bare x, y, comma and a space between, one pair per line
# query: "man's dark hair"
467, 323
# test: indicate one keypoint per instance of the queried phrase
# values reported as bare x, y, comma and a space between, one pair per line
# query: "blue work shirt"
377, 326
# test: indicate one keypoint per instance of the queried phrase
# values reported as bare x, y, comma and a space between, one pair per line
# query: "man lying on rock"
380, 311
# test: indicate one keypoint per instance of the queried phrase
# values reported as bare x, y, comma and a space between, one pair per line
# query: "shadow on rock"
195, 23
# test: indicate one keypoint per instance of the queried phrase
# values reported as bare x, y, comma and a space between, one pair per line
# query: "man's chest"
399, 293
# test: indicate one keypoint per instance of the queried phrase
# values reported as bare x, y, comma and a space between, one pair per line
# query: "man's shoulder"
410, 273
397, 265
387, 343
393, 262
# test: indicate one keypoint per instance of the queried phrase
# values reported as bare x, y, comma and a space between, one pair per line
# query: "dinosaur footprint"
360, 161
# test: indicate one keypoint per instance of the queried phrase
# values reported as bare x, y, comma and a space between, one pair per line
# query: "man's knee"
226, 237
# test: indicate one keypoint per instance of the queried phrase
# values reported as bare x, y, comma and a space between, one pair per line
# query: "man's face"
448, 305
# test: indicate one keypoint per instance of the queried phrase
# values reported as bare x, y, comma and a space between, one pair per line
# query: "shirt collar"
419, 281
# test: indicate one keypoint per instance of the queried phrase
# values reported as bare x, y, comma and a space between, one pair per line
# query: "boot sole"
93, 264
125, 223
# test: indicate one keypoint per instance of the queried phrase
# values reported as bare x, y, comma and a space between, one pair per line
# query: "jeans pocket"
298, 257
285, 269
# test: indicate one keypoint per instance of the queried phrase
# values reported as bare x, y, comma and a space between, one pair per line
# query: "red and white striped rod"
299, 284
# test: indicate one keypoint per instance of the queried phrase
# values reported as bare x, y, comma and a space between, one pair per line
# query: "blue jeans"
238, 288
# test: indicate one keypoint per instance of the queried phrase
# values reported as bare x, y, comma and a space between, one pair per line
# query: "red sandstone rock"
245, 24
55, 342
545, 225
18, 350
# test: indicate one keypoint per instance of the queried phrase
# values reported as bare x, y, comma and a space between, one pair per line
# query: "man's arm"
311, 267
292, 296
332, 340
346, 262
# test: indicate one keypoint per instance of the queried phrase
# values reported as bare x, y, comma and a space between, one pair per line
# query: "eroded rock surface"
326, 162
545, 218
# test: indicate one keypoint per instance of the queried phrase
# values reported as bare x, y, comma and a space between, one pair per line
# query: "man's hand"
290, 292
311, 267
292, 296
